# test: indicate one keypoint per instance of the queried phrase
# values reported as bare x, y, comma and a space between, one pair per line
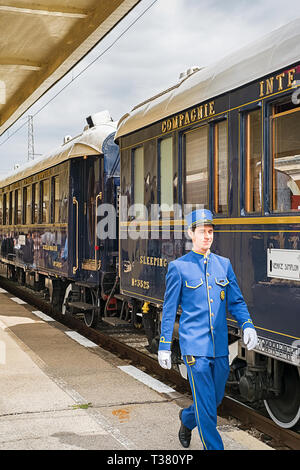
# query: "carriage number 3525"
140, 283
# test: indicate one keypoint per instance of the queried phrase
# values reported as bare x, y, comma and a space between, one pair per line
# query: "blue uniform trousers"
207, 377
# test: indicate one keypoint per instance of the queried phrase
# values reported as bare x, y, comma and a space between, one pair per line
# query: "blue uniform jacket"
204, 287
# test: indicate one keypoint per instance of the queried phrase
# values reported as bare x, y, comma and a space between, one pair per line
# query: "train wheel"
91, 317
285, 409
71, 294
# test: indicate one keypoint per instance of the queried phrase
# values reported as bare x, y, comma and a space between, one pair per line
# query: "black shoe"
184, 434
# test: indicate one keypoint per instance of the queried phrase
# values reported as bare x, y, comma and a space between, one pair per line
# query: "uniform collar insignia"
202, 254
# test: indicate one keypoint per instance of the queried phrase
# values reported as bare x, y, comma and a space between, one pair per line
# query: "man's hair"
194, 226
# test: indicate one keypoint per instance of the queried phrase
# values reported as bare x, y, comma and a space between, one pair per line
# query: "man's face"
202, 238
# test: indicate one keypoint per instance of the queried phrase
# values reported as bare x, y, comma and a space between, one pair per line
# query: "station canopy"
41, 41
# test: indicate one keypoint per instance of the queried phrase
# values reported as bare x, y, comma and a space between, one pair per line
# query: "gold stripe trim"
194, 287
269, 331
247, 321
162, 340
141, 295
230, 221
196, 406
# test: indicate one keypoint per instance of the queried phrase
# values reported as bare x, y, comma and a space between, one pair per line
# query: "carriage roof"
273, 52
90, 142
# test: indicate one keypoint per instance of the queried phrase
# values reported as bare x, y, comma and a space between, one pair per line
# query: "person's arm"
235, 301
170, 306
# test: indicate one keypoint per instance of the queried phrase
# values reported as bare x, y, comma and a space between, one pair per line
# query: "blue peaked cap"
199, 217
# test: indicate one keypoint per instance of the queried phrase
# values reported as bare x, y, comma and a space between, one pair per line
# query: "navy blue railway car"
50, 211
227, 138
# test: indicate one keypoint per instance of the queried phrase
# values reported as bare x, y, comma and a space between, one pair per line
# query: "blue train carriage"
225, 137
51, 211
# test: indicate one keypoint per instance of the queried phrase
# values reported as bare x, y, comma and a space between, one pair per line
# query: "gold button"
209, 287
207, 274
211, 300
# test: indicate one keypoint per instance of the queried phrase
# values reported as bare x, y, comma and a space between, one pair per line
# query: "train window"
196, 166
1, 209
252, 161
55, 199
64, 195
138, 181
285, 164
28, 205
5, 210
35, 203
10, 208
45, 199
24, 221
220, 167
18, 207
126, 183
150, 175
166, 173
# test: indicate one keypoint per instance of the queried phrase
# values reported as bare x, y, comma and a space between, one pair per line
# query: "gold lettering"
200, 112
152, 261
279, 78
169, 125
193, 115
164, 126
212, 108
291, 77
140, 283
187, 119
205, 110
270, 86
175, 122
181, 118
261, 88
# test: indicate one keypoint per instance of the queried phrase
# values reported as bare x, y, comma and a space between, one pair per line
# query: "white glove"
164, 359
250, 338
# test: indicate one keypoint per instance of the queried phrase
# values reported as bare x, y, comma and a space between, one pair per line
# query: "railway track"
132, 346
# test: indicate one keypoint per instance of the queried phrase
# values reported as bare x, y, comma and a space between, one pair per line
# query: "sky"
170, 37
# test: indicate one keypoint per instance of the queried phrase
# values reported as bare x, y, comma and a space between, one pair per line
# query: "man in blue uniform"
205, 285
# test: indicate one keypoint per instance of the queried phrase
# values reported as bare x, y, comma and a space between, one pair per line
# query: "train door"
92, 190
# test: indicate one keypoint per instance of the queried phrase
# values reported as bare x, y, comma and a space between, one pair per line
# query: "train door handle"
75, 202
98, 265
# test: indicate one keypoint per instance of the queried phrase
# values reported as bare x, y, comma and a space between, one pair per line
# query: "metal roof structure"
40, 41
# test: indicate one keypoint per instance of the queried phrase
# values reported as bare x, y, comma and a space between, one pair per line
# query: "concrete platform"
61, 394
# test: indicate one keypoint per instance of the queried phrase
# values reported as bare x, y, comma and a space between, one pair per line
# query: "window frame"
214, 160
133, 201
159, 173
183, 162
270, 187
10, 207
244, 164
41, 199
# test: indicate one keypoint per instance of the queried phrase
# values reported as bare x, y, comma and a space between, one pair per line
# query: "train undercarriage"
255, 376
